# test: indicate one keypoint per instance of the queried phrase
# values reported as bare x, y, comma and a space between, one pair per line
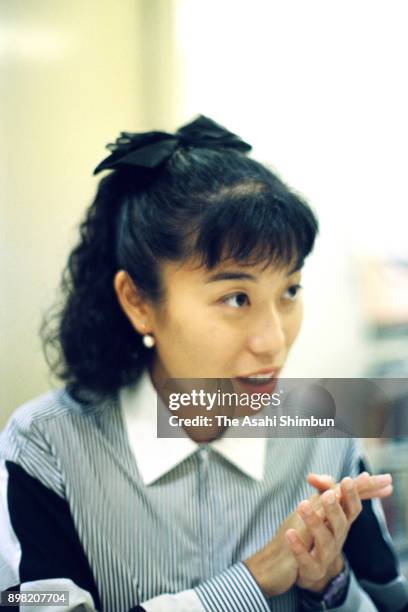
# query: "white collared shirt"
157, 456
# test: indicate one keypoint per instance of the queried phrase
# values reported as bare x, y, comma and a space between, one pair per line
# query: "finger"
366, 480
380, 492
323, 537
369, 487
381, 479
373, 486
363, 477
322, 482
385, 492
351, 502
336, 519
307, 564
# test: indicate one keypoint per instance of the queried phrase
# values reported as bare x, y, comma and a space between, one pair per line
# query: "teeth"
255, 377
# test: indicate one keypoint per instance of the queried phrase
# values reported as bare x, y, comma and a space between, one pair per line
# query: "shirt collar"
157, 456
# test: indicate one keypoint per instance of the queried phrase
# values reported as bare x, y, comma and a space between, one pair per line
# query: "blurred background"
317, 87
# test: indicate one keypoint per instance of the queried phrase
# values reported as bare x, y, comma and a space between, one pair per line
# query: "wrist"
333, 570
333, 596
273, 568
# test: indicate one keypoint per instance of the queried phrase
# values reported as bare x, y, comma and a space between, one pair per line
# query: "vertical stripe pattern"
190, 529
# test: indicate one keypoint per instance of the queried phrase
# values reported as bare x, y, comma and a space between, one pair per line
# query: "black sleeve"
40, 523
368, 548
43, 525
371, 555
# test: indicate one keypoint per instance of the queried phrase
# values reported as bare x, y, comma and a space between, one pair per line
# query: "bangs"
253, 223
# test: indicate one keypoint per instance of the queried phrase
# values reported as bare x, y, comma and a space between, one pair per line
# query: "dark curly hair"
213, 204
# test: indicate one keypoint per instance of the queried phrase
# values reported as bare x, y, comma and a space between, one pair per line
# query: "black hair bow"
148, 150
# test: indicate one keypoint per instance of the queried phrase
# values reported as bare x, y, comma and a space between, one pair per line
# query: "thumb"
322, 482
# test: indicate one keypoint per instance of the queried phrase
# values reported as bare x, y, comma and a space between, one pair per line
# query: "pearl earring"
148, 340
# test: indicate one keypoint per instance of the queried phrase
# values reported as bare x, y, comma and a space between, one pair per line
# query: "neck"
200, 434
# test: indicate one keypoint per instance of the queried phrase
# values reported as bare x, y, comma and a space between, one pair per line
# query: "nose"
268, 334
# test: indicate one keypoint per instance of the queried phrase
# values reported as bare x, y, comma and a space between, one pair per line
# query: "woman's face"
230, 322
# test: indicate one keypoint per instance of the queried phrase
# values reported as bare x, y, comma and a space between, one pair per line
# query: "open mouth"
261, 383
256, 381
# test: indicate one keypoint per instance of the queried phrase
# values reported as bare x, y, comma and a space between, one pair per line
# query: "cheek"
185, 324
294, 323
194, 330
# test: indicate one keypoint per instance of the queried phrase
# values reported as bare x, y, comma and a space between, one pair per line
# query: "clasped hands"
307, 548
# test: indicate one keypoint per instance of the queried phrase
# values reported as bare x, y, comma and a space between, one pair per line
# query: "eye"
292, 292
239, 299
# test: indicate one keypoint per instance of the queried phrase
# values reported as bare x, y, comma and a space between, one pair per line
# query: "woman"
188, 266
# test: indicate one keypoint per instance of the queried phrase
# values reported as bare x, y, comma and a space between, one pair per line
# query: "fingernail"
348, 483
291, 536
306, 508
363, 475
383, 479
330, 497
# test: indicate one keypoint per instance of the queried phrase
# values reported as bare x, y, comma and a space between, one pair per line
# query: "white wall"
73, 74
318, 88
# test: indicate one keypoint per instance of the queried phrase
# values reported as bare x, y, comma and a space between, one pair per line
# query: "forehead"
194, 272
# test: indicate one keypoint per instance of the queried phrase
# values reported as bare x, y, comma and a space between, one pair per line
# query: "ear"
132, 302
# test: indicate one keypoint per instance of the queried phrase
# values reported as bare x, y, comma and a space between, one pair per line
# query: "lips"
262, 381
265, 373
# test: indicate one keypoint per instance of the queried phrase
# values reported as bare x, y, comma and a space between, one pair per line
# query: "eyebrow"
230, 275
237, 275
